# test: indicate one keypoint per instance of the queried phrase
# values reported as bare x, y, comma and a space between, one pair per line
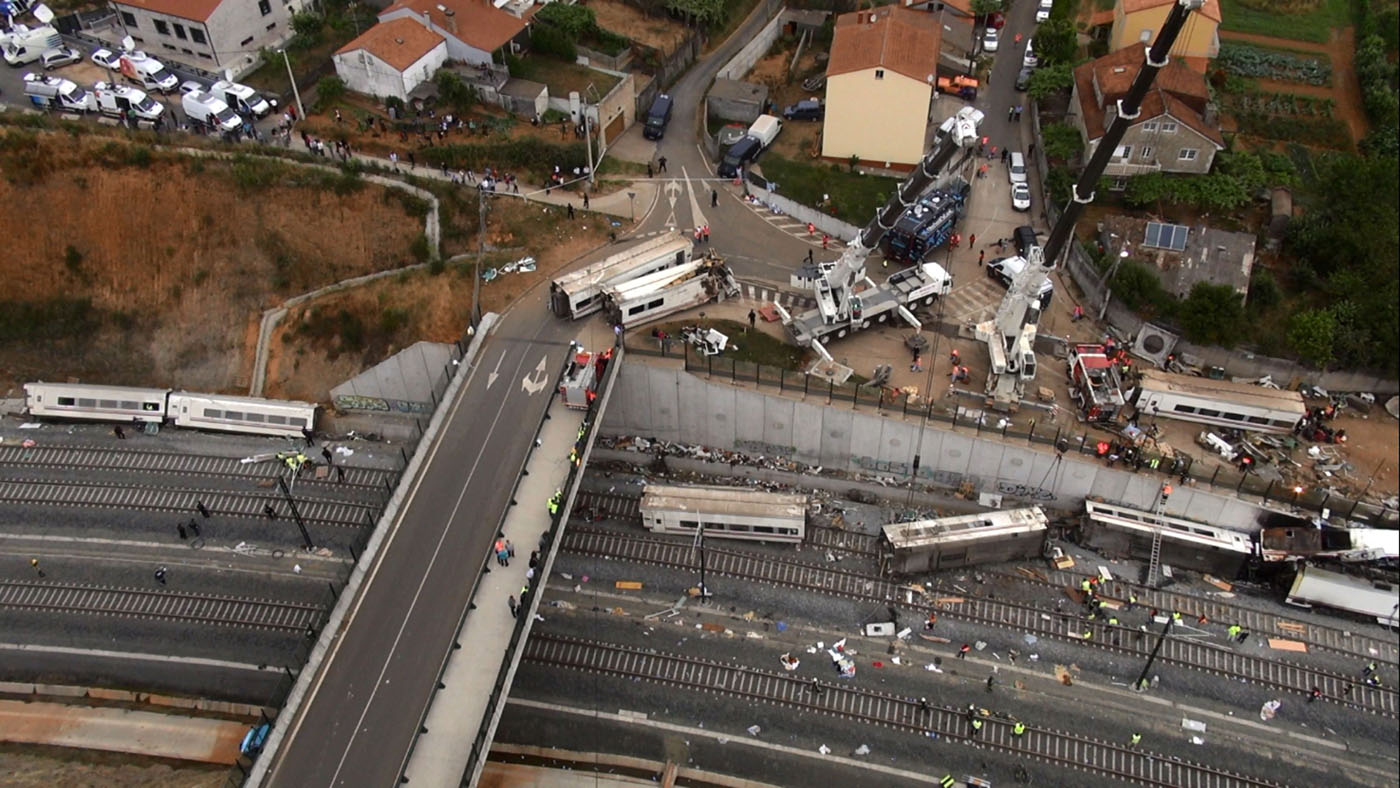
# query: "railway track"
1336, 687
160, 605
104, 459
1257, 622
749, 685
38, 492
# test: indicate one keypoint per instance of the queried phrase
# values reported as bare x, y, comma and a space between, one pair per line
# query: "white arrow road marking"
535, 382
673, 190
495, 373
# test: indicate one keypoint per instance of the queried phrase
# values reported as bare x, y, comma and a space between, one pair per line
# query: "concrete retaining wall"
674, 405
828, 224
744, 59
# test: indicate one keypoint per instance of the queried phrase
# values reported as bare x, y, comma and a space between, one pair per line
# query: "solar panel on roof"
1166, 236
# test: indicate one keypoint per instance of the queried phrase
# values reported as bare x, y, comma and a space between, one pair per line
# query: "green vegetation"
561, 76
1237, 176
1049, 80
317, 37
528, 154
1061, 141
1056, 42
853, 197
328, 91
50, 319
1376, 49
1272, 18
1247, 60
753, 347
563, 27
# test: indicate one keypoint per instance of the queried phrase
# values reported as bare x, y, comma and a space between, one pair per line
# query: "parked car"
107, 59
1042, 11
1003, 271
1030, 59
1021, 196
806, 109
990, 40
1016, 167
58, 57
1023, 77
995, 19
192, 86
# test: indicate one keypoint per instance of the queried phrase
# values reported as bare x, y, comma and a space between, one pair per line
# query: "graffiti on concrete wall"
951, 479
1023, 491
346, 402
759, 447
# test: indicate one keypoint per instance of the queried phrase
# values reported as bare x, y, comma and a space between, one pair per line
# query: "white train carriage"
1186, 544
579, 293
1220, 403
252, 415
1358, 595
726, 512
95, 403
965, 540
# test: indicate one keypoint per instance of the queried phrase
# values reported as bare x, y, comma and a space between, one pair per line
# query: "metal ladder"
1154, 563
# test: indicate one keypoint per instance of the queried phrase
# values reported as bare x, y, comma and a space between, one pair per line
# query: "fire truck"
579, 386
1094, 384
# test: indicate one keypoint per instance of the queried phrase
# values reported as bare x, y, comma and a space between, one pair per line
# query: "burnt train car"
1186, 544
965, 540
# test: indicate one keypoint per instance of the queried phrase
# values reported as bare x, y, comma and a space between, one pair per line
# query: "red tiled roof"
894, 37
1210, 9
195, 10
477, 23
398, 42
1177, 92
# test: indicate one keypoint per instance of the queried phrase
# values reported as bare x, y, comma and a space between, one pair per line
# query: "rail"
127, 602
1336, 687
105, 459
99, 495
1060, 748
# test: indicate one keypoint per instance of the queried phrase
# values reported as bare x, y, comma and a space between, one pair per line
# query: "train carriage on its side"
1186, 544
127, 405
965, 540
726, 512
1219, 403
253, 415
95, 403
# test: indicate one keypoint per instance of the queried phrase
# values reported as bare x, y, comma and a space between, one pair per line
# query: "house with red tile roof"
211, 34
474, 29
1176, 128
391, 58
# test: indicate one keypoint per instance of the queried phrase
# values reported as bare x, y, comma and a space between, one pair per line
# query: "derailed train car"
965, 540
1186, 544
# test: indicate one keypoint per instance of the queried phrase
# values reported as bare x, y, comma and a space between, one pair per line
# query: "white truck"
842, 309
57, 93
242, 98
115, 99
27, 44
209, 110
765, 129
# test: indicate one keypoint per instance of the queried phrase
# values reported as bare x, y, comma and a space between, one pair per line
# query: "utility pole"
480, 258
301, 111
296, 514
700, 545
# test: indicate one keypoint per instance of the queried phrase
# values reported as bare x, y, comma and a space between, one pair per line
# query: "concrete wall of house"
457, 49
1165, 150
674, 405
621, 100
880, 119
231, 24
1198, 39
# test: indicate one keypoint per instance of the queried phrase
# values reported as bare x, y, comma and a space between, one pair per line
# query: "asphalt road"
362, 712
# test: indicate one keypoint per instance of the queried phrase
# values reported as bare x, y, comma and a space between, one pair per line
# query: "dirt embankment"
131, 265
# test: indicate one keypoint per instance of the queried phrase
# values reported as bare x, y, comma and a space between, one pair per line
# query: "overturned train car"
970, 539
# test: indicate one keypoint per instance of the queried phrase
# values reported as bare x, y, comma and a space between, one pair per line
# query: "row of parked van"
211, 106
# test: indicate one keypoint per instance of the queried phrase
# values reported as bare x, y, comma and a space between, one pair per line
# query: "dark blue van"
657, 118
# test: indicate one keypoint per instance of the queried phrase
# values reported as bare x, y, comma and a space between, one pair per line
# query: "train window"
66, 402
84, 402
634, 310
109, 403
1210, 413
691, 524
128, 405
763, 529
210, 413
256, 418
656, 304
1234, 416
788, 531
296, 422
739, 527
233, 415
1259, 420
1183, 409
276, 419
150, 407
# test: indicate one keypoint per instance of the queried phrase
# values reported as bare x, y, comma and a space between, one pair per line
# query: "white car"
990, 40
107, 59
1042, 11
191, 86
1030, 59
59, 56
1020, 196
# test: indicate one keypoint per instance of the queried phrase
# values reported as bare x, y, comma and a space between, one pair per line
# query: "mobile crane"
841, 310
1010, 334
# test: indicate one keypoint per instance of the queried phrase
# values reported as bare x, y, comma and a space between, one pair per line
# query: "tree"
984, 7
1310, 334
1212, 314
705, 12
329, 90
1264, 292
1048, 80
1061, 141
1056, 42
574, 21
455, 93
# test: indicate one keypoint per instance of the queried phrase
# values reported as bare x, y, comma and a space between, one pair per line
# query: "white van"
115, 99
242, 98
1016, 167
25, 45
210, 110
52, 92
151, 73
765, 129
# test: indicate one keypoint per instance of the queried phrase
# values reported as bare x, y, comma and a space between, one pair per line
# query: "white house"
474, 29
211, 34
391, 58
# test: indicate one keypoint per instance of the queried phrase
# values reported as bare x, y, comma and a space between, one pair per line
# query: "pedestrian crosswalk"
785, 223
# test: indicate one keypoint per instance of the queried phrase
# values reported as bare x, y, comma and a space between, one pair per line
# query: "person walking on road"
650, 174
117, 430
662, 163
514, 606
753, 319
981, 257
160, 575
1133, 742
202, 509
714, 198
180, 529
326, 452
962, 651
194, 527
571, 211
270, 512
34, 562
585, 201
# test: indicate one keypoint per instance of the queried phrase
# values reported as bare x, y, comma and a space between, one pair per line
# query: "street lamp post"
296, 94
632, 205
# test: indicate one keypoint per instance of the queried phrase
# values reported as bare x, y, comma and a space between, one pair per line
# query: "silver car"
58, 57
